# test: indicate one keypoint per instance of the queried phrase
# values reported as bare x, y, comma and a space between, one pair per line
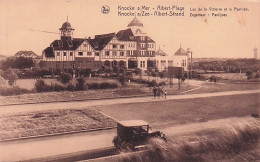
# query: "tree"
138, 71
2, 82
122, 79
249, 74
23, 63
11, 76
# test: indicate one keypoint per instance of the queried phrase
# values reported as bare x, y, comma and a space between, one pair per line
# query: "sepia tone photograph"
129, 80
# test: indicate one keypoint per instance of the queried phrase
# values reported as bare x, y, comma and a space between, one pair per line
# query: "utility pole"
191, 64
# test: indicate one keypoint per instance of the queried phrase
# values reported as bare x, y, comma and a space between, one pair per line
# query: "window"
122, 53
70, 44
114, 53
142, 64
131, 52
60, 43
142, 38
142, 45
89, 54
85, 45
97, 54
114, 46
122, 46
142, 52
64, 53
107, 53
71, 53
132, 37
80, 53
58, 53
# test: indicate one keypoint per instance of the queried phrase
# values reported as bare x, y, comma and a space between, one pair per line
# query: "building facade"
131, 48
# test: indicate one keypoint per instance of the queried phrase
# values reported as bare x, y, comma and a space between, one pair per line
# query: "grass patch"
232, 140
24, 125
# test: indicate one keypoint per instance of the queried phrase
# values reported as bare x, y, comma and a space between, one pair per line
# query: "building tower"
255, 53
66, 31
137, 27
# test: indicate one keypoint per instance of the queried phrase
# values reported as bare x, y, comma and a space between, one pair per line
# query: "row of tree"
17, 63
230, 65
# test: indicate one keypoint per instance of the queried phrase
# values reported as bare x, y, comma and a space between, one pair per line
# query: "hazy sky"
233, 36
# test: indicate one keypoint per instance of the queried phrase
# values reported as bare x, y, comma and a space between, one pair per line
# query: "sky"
233, 36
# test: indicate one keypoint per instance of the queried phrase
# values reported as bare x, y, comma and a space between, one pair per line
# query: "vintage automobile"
132, 133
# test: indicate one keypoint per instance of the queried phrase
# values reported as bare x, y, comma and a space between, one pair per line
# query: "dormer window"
69, 43
60, 43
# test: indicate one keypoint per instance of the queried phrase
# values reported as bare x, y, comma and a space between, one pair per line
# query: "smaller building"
161, 60
181, 59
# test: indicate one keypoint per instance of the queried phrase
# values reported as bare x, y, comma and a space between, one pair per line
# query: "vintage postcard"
129, 80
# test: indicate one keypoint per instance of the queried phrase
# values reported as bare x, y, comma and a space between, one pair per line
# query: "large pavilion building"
131, 47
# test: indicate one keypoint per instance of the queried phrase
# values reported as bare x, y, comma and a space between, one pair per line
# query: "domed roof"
66, 25
135, 22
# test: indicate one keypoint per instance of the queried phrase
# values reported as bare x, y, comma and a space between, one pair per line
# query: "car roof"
132, 123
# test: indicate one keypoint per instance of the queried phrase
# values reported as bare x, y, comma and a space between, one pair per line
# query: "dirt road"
85, 104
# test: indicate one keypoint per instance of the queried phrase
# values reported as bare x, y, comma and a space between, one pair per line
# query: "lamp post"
189, 64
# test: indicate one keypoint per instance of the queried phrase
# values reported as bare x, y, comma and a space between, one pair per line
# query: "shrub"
137, 71
103, 85
154, 74
122, 79
65, 78
106, 85
2, 82
58, 87
13, 91
70, 87
40, 86
11, 76
152, 83
94, 86
80, 85
249, 74
122, 70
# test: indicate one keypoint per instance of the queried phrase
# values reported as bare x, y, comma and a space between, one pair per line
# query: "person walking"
154, 92
165, 93
158, 92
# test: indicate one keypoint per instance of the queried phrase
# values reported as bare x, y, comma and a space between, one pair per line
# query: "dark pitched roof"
100, 41
181, 52
125, 35
135, 22
49, 52
67, 44
150, 40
